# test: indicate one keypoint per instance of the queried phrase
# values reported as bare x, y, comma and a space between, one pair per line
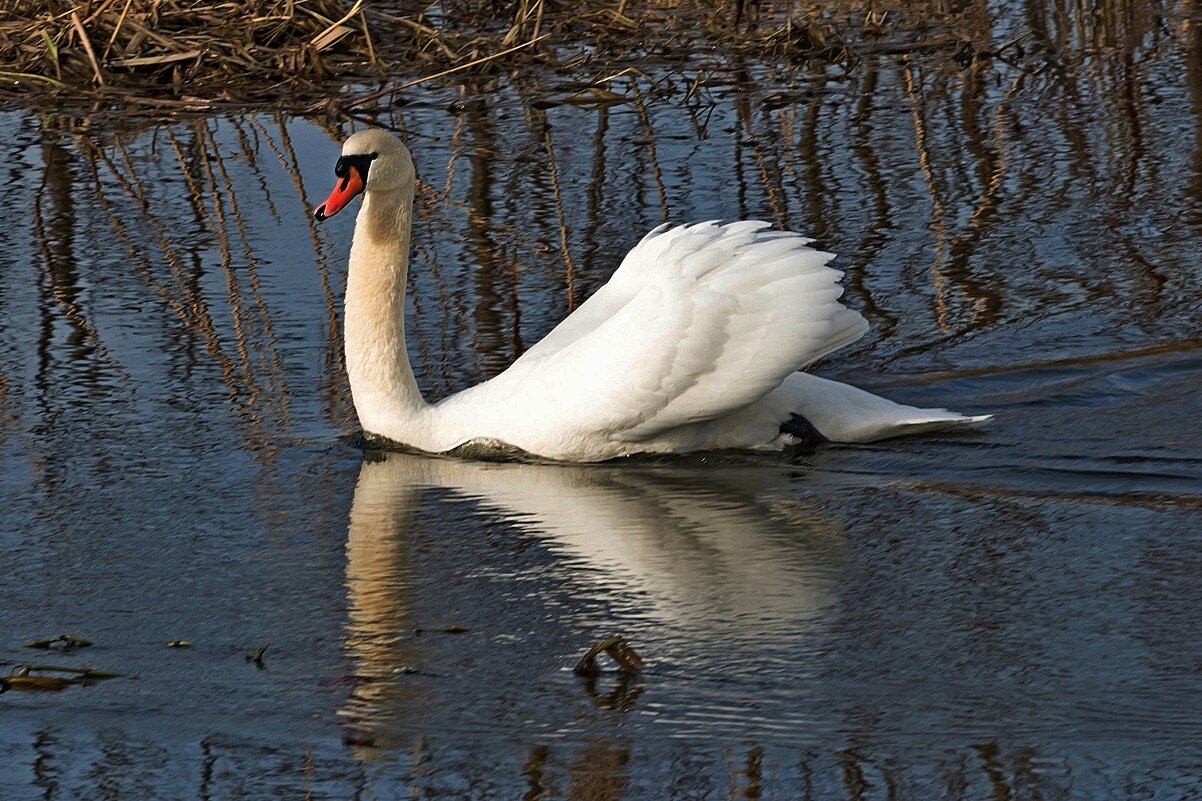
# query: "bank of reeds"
301, 53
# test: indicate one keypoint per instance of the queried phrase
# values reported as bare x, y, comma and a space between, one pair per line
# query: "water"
1010, 614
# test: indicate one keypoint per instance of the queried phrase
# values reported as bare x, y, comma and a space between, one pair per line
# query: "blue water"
1007, 614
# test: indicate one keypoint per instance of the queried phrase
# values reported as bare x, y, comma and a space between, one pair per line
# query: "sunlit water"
1009, 614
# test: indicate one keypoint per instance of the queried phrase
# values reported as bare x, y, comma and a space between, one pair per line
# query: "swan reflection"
716, 561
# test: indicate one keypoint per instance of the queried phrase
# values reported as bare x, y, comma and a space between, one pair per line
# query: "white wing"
697, 322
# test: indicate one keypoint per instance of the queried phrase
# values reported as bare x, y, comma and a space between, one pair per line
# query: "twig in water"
69, 641
257, 657
618, 649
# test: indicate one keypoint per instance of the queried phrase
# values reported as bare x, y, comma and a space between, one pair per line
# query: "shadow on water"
1010, 613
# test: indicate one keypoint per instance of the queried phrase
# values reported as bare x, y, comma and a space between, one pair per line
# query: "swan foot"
802, 430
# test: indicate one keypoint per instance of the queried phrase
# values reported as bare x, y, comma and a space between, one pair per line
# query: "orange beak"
344, 191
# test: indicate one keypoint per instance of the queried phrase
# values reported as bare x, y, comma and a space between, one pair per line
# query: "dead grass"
299, 53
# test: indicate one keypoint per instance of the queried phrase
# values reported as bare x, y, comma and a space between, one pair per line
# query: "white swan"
696, 343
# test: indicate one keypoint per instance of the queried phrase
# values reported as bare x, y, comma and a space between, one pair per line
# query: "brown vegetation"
298, 53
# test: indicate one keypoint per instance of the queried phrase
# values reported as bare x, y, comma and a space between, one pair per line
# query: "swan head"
372, 161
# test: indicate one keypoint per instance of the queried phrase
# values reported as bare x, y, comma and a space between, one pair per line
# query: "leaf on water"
179, 644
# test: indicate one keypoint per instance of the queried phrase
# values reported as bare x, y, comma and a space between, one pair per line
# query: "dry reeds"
231, 50
299, 53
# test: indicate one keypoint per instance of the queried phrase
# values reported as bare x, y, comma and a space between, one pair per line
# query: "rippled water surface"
1008, 614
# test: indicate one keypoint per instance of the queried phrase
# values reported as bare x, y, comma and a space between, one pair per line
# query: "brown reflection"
876, 235
80, 362
855, 783
334, 388
750, 778
183, 293
537, 775
620, 693
45, 770
598, 205
55, 223
1001, 789
810, 154
983, 292
132, 230
494, 273
261, 442
1192, 28
269, 363
742, 108
599, 772
555, 231
647, 144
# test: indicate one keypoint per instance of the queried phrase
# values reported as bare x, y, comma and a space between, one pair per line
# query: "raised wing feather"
699, 321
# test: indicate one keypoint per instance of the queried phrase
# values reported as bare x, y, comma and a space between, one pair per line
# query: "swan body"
696, 343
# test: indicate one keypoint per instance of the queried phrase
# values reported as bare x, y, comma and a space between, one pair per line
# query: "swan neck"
385, 392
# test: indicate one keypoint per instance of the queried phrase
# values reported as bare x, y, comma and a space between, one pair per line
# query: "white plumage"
694, 344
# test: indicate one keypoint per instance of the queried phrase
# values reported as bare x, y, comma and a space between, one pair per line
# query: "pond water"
1007, 614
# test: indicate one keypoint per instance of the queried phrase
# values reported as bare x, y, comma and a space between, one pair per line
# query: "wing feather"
697, 322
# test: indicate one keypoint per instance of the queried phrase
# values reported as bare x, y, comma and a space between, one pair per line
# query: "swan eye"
360, 163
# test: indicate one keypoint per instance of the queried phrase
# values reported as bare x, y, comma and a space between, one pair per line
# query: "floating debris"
35, 683
22, 678
618, 649
68, 641
257, 657
179, 644
452, 629
358, 738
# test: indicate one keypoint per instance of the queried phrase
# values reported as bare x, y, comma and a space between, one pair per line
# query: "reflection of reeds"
333, 384
649, 143
874, 240
254, 376
54, 233
565, 248
268, 367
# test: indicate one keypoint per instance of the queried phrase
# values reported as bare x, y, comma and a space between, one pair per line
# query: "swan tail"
823, 410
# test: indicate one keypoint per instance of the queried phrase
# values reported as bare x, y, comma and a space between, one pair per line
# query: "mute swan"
696, 343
